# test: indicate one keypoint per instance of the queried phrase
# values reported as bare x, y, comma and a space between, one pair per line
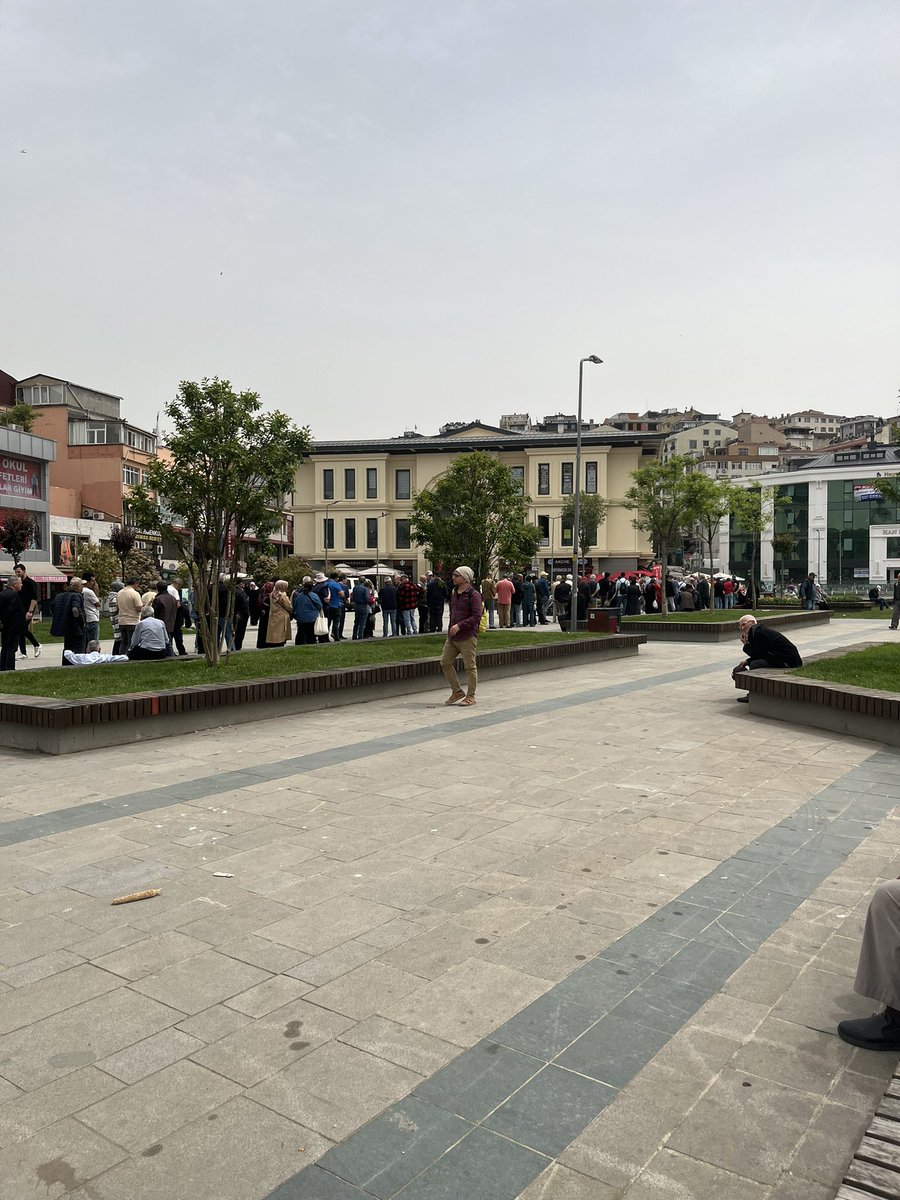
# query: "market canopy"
40, 572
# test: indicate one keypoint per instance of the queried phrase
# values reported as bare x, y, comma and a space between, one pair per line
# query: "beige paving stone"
158, 1105
265, 997
53, 994
214, 1023
828, 1143
271, 1043
466, 1002
731, 1016
36, 1110
76, 1037
437, 950
150, 1055
399, 1044
242, 1154
258, 952
151, 955
365, 991
200, 981
335, 1089
745, 1125
63, 1156
560, 1183
671, 1176
327, 925
35, 938
320, 969
794, 1055
820, 999
550, 947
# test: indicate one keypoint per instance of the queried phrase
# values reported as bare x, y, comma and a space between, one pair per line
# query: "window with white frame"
131, 476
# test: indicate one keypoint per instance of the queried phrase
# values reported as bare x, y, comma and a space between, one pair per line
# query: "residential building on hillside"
352, 499
810, 429
698, 439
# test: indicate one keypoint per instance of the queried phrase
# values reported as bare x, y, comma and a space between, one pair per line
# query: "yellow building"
357, 495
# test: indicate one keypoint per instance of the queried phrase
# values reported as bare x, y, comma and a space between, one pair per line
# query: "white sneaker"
20, 655
37, 652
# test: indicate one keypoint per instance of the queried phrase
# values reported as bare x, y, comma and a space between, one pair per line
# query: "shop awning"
40, 572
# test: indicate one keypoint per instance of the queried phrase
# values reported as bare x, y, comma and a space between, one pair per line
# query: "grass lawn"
116, 679
878, 667
711, 614
46, 638
865, 614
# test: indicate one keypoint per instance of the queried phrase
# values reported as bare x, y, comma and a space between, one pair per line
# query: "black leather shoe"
881, 1031
743, 699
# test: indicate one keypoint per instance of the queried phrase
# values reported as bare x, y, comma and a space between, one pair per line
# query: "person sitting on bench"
150, 639
878, 973
764, 647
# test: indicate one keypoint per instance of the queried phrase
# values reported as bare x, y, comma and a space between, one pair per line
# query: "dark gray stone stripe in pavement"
496, 1116
60, 820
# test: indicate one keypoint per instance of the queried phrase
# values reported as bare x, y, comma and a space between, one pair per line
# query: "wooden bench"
875, 1168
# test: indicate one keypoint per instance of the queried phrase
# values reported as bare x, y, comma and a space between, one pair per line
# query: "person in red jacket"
462, 637
505, 589
407, 603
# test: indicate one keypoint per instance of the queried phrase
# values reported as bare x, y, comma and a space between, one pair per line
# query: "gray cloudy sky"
392, 213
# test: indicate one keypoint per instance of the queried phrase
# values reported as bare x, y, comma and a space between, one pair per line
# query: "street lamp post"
841, 533
573, 622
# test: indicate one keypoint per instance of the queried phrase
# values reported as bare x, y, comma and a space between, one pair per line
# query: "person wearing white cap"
462, 636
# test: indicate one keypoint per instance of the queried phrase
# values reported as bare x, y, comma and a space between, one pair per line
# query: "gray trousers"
878, 972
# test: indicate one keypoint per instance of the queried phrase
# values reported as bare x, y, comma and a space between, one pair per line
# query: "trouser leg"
448, 665
878, 972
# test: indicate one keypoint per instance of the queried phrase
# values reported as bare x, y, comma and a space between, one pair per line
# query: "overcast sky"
387, 214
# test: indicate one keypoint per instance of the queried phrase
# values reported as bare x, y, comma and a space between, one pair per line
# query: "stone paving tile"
669, 1176
241, 1151
550, 1110
326, 926
65, 1154
200, 981
560, 1183
52, 994
214, 1023
397, 1146
78, 1036
365, 990
265, 997
746, 1125
466, 1002
32, 1111
150, 1055
260, 1048
152, 955
479, 1156
406, 1047
335, 1089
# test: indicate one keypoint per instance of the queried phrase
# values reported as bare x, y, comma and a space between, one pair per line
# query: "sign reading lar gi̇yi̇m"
20, 477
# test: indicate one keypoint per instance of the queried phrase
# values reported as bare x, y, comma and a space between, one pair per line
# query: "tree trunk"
663, 579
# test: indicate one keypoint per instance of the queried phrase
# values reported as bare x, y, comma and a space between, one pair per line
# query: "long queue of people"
636, 594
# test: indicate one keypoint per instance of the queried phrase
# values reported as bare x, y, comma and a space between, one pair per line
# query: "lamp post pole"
573, 622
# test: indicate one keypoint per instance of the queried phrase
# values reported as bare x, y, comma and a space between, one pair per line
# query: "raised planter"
837, 707
67, 726
671, 629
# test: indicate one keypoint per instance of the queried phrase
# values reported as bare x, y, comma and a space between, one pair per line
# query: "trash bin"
604, 620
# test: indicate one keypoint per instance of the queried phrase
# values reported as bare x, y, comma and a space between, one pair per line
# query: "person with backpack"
807, 591
67, 618
466, 607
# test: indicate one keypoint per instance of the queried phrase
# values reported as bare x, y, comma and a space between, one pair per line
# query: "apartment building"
698, 439
99, 457
352, 499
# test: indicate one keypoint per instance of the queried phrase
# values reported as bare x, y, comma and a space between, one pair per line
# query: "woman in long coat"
265, 595
278, 629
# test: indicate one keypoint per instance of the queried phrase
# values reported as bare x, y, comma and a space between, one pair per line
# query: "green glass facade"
848, 530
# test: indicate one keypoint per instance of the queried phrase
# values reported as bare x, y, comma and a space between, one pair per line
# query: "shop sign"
20, 477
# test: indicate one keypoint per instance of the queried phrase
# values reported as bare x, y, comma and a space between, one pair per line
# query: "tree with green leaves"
22, 415
591, 515
754, 507
783, 545
712, 500
102, 560
662, 498
17, 532
293, 568
474, 514
231, 469
263, 567
121, 540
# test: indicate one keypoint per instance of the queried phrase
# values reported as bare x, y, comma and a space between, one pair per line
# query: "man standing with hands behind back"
462, 636
29, 596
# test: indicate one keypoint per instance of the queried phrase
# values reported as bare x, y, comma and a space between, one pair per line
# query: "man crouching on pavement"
764, 647
462, 636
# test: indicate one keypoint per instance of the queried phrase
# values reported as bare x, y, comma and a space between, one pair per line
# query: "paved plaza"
586, 941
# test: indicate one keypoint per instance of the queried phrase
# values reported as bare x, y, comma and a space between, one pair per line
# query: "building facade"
844, 529
25, 463
352, 500
99, 457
